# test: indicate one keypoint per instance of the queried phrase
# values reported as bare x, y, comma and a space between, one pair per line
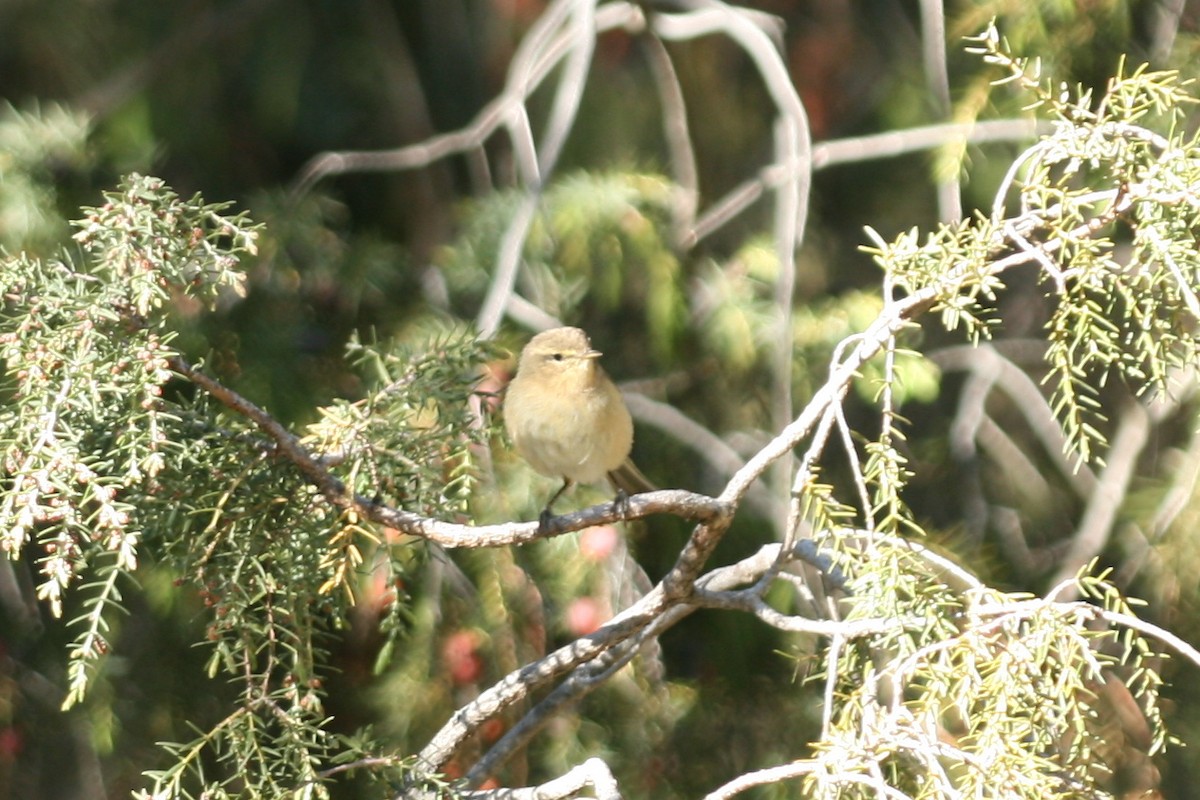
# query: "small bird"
567, 418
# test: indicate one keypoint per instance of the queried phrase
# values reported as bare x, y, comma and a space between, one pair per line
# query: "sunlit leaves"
84, 429
1107, 214
411, 437
148, 243
973, 688
413, 440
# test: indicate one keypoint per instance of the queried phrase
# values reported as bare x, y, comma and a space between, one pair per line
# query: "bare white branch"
1001, 374
592, 774
937, 78
1095, 527
678, 139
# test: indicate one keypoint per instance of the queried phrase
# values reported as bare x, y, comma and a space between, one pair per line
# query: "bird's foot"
544, 520
620, 505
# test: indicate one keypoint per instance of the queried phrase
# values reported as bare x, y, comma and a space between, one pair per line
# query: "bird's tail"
629, 479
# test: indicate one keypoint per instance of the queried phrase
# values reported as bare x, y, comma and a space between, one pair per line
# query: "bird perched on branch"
567, 418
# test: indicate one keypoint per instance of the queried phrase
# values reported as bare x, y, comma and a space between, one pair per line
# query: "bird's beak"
591, 354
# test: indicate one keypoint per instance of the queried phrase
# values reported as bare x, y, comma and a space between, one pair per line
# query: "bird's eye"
557, 356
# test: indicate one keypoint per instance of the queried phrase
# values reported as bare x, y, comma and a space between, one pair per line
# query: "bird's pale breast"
573, 432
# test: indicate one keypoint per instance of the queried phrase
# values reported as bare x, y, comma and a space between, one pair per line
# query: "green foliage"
412, 438
147, 244
110, 464
84, 431
599, 236
107, 464
1054, 28
820, 508
956, 258
734, 301
1106, 215
413, 441
973, 691
280, 568
826, 322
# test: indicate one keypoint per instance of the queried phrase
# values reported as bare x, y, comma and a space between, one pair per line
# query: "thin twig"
792, 144
580, 34
518, 685
585, 679
862, 148
534, 60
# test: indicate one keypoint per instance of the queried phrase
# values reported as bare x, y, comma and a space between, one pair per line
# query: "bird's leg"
620, 504
547, 514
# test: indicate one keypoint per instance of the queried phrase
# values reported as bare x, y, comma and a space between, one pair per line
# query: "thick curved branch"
518, 685
1096, 526
712, 591
581, 682
1003, 375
